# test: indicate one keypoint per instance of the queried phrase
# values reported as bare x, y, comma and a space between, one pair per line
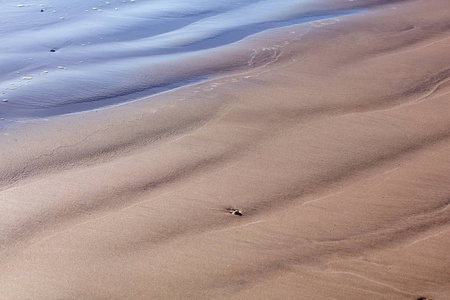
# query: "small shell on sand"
235, 212
61, 67
21, 5
27, 78
5, 100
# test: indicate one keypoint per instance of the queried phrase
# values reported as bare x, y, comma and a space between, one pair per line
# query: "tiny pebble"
5, 100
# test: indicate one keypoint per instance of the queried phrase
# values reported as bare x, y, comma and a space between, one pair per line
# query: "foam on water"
64, 56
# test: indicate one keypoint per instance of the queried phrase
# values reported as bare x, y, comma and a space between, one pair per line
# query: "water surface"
64, 56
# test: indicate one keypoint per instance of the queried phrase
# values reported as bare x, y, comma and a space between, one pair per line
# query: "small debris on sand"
5, 100
52, 50
235, 212
27, 78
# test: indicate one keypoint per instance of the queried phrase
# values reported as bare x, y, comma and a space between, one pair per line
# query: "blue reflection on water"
59, 57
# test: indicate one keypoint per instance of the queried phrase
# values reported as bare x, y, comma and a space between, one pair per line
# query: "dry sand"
336, 151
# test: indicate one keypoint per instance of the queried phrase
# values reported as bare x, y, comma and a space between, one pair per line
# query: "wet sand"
336, 150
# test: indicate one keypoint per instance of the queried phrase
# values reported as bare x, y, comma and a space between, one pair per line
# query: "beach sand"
336, 150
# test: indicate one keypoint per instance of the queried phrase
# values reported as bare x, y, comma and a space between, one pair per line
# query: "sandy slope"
337, 152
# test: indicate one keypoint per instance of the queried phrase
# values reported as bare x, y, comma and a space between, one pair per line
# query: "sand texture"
335, 149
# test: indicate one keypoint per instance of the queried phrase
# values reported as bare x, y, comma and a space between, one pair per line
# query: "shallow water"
59, 57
